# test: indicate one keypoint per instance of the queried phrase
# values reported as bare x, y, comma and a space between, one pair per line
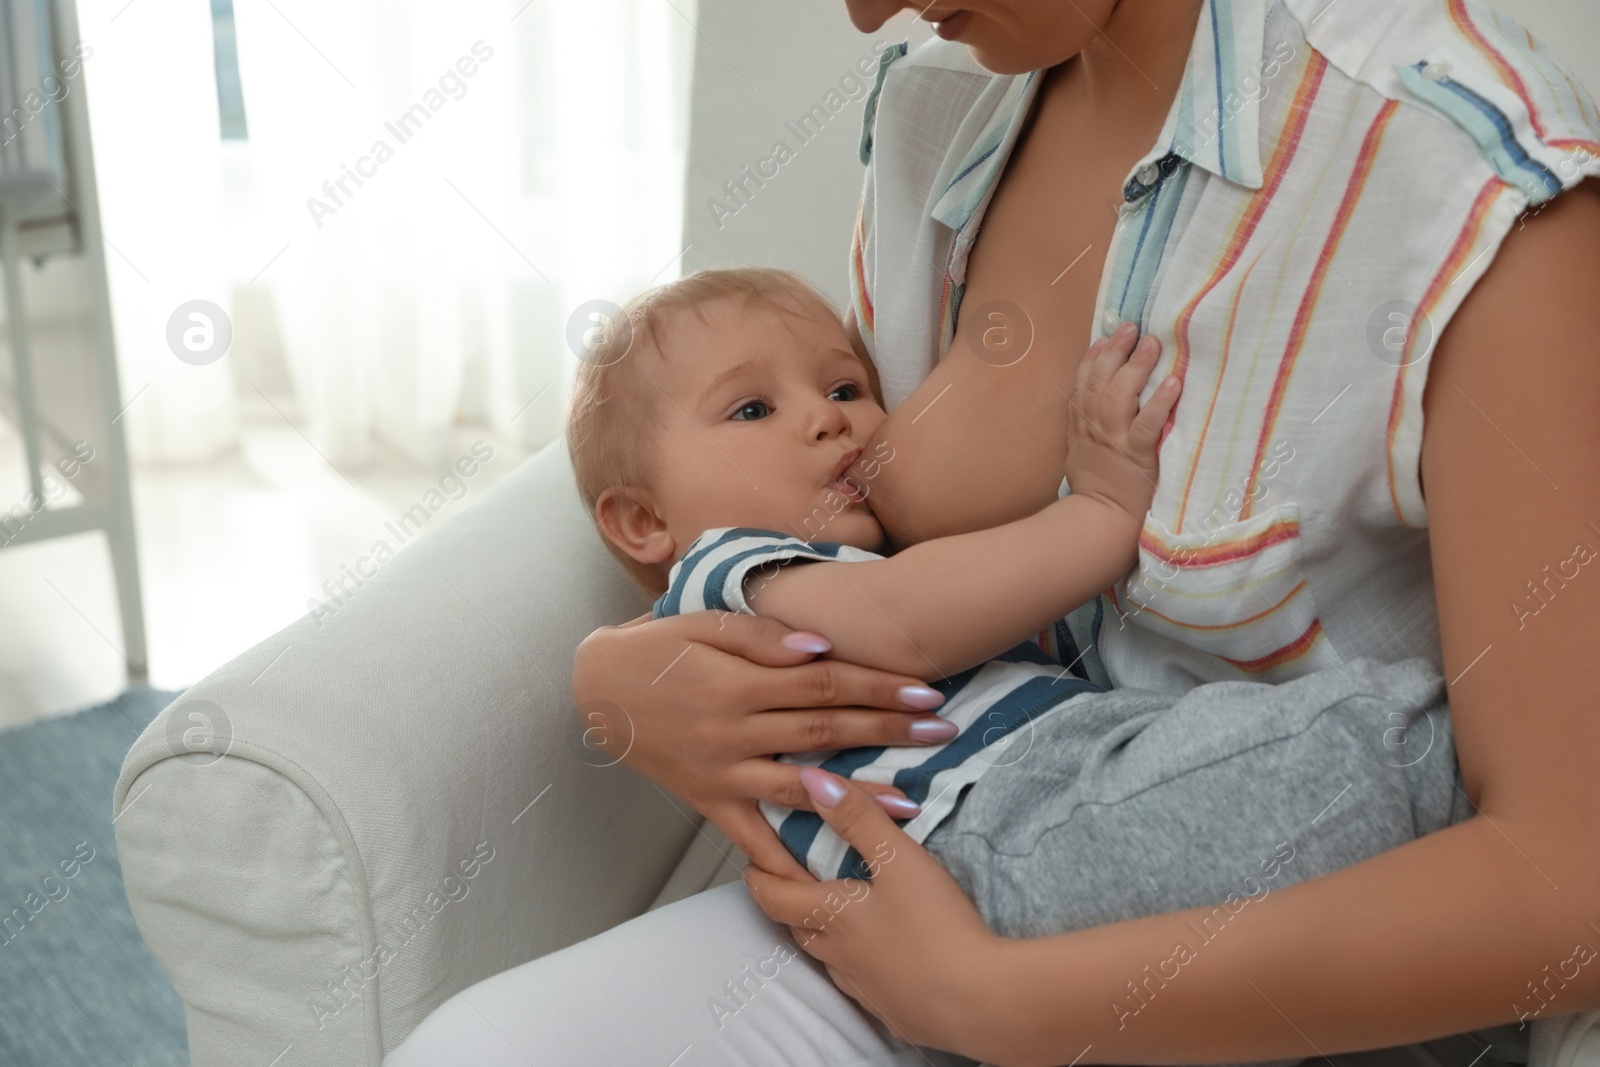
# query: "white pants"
706, 982
645, 994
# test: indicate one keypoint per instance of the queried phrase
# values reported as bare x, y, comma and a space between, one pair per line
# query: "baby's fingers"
1103, 364
1145, 433
1122, 395
1080, 384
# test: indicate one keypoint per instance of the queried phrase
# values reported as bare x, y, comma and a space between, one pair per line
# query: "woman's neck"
1134, 65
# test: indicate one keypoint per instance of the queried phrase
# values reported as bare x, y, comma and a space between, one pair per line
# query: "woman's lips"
950, 28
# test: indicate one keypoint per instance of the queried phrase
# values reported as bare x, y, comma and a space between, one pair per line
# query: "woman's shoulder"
1510, 98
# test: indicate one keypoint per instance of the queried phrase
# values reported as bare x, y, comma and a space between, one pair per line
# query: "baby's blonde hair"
614, 408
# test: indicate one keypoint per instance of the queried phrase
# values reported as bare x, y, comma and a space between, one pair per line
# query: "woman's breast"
982, 439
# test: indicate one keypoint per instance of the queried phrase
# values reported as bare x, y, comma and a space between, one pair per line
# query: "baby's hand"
1111, 449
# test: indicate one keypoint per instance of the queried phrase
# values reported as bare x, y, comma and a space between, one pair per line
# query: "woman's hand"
1112, 441
699, 703
908, 946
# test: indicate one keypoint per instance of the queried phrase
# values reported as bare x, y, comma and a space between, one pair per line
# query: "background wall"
760, 66
762, 63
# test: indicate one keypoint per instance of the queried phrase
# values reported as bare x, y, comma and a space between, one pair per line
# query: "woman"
1270, 218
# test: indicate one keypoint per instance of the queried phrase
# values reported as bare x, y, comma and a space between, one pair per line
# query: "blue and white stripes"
994, 704
710, 576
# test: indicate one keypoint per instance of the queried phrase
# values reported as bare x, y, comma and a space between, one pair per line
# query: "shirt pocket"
1235, 590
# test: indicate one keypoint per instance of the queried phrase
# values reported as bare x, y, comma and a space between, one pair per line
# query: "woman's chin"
1006, 55
1000, 60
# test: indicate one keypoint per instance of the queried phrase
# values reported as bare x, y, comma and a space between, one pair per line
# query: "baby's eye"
849, 388
755, 409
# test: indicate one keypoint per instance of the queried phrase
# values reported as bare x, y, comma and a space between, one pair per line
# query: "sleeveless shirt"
1332, 179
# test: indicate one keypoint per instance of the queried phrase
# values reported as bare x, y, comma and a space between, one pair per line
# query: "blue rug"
77, 985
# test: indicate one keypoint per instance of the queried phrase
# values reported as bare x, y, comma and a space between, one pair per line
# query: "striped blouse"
1332, 179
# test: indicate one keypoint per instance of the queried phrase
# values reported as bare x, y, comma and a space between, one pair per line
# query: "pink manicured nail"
898, 807
824, 788
801, 641
920, 697
933, 730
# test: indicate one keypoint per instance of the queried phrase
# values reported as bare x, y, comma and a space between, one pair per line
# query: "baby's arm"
945, 605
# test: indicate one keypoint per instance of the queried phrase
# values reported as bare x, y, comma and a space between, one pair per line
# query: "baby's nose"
832, 422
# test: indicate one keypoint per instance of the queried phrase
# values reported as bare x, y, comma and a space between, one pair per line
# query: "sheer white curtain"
450, 180
437, 186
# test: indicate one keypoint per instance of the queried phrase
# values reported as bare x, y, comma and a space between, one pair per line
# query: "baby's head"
729, 398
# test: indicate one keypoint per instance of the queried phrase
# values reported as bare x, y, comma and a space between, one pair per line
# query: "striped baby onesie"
995, 703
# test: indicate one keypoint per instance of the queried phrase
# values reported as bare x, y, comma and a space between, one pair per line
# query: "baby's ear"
628, 520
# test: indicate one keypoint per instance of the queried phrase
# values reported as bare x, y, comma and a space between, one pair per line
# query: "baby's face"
763, 414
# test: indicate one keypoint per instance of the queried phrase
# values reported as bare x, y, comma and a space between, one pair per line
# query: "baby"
720, 429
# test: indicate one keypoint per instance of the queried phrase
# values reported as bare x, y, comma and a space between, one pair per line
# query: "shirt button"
1110, 321
1436, 71
1148, 174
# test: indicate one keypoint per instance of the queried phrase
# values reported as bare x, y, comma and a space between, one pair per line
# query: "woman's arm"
945, 605
1453, 931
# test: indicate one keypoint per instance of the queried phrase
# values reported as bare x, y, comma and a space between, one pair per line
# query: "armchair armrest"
330, 835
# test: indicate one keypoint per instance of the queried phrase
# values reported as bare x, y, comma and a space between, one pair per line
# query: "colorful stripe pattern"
1271, 240
861, 294
1489, 126
1313, 291
1504, 113
1409, 382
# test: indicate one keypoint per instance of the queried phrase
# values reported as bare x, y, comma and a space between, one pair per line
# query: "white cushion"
366, 845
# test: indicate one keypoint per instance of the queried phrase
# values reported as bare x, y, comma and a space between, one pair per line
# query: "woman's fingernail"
801, 641
920, 697
823, 787
899, 807
933, 730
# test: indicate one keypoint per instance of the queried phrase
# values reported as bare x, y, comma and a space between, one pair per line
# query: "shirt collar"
1214, 121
